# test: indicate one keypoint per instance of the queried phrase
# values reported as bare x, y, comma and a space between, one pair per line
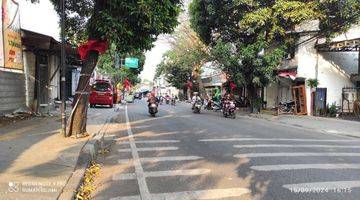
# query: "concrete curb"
88, 153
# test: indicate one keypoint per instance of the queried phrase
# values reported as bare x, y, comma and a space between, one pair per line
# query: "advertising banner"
12, 35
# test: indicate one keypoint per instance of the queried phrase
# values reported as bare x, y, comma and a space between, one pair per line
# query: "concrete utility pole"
63, 70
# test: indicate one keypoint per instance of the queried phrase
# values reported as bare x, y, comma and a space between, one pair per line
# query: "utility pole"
63, 71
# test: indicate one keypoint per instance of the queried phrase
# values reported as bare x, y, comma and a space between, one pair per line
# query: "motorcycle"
216, 106
167, 100
208, 105
197, 107
286, 107
229, 109
153, 109
173, 101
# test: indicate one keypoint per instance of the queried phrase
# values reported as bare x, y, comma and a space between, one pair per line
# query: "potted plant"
313, 83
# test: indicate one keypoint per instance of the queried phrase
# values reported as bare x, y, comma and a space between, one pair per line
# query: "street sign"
132, 63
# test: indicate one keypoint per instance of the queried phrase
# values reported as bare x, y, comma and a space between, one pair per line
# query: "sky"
153, 58
40, 18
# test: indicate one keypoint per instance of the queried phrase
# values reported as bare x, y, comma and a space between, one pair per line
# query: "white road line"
125, 161
173, 158
129, 176
323, 185
190, 172
304, 166
271, 139
144, 190
151, 141
254, 155
161, 159
151, 149
294, 146
191, 195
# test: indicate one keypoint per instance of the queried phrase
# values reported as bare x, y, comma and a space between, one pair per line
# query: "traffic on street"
182, 155
180, 100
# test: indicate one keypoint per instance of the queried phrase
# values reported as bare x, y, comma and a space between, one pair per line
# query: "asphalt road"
179, 155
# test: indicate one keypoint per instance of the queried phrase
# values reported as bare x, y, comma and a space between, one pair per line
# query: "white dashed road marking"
331, 186
144, 190
304, 166
191, 195
190, 172
151, 149
272, 139
294, 146
151, 141
254, 155
162, 159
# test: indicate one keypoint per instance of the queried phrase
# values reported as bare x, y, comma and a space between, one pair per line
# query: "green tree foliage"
107, 65
184, 60
132, 26
250, 37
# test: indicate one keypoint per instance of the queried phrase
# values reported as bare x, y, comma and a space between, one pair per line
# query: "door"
299, 97
320, 101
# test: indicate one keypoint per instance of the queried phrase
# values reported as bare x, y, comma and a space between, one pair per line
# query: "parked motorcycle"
229, 109
197, 107
286, 107
153, 109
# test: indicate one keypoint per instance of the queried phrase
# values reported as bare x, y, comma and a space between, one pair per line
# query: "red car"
102, 93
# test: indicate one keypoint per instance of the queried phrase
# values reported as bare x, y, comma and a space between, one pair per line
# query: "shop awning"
288, 74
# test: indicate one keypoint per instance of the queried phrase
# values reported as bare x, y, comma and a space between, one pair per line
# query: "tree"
109, 64
130, 25
184, 61
250, 37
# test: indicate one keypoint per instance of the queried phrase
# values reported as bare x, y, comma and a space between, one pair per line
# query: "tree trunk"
253, 98
202, 90
77, 123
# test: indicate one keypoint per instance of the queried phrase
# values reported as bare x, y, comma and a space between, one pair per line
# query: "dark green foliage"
249, 38
130, 25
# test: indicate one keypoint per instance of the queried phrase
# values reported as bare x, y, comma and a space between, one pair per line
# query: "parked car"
102, 93
129, 98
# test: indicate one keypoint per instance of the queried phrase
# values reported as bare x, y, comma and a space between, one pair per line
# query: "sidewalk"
319, 124
36, 161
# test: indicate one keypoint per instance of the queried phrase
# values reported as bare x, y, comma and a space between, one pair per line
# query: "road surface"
179, 155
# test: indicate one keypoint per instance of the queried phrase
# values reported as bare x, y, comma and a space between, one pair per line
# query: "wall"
12, 91
271, 92
29, 68
278, 92
332, 74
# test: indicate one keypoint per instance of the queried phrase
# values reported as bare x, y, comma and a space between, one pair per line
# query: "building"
212, 77
162, 87
37, 84
333, 65
41, 58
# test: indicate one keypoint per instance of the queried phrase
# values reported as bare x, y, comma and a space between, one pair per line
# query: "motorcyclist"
195, 98
152, 99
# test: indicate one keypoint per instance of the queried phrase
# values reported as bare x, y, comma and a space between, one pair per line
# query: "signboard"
12, 35
132, 63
